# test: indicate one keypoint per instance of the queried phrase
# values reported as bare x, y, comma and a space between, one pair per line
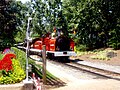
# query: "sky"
23, 1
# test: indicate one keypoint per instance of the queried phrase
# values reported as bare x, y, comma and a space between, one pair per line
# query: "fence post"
44, 63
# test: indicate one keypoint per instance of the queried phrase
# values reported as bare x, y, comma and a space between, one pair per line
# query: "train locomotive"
57, 45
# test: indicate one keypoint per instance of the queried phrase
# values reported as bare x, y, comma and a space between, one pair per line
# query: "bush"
14, 76
21, 56
80, 48
1, 56
36, 68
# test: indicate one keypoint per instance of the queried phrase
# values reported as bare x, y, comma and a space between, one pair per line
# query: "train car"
57, 45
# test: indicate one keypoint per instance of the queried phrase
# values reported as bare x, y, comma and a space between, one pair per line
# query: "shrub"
1, 56
21, 56
6, 62
15, 76
37, 69
80, 48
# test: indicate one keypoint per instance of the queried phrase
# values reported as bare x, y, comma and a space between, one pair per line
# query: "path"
73, 83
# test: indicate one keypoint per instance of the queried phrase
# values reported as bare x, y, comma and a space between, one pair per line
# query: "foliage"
114, 41
1, 56
37, 69
21, 56
45, 15
8, 23
13, 76
6, 62
79, 53
100, 54
9, 68
103, 55
96, 22
80, 48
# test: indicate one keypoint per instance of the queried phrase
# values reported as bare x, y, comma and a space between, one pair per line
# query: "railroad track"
94, 70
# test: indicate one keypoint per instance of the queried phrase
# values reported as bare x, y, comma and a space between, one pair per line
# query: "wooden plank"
44, 63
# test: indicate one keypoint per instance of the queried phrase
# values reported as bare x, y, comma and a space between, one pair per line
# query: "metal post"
27, 48
27, 68
44, 63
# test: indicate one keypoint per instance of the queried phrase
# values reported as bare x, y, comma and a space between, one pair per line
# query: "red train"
57, 45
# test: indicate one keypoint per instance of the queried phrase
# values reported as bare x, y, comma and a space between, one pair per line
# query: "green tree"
96, 21
22, 16
46, 15
8, 23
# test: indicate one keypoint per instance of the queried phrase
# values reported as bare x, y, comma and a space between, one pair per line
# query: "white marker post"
27, 48
28, 84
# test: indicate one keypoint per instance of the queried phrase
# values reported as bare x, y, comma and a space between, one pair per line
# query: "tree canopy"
8, 22
96, 23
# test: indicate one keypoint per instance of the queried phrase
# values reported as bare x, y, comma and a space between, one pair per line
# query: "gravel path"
76, 80
70, 71
113, 68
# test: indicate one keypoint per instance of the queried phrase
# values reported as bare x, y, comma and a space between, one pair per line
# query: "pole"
28, 84
44, 63
27, 48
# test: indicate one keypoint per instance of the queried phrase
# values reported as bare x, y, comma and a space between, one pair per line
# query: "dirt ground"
71, 83
115, 60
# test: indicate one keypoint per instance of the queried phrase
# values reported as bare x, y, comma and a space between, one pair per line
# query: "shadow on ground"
54, 83
75, 60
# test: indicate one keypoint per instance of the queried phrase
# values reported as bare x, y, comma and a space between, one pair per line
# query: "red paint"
50, 43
